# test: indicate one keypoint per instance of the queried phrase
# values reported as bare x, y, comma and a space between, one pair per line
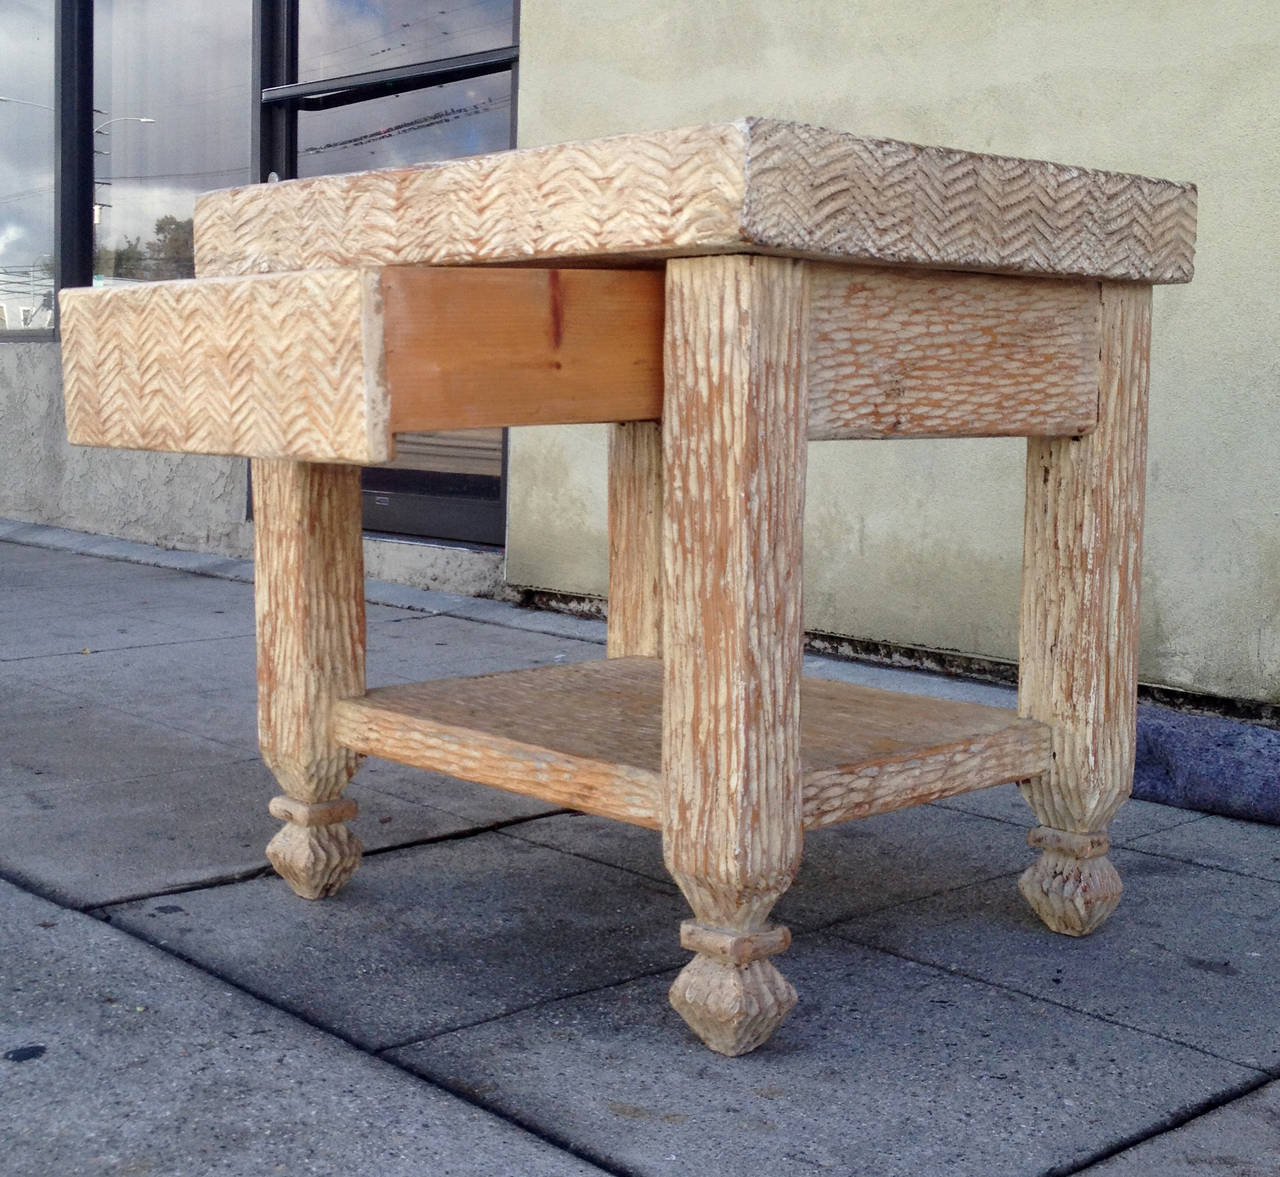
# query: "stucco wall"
919, 542
166, 499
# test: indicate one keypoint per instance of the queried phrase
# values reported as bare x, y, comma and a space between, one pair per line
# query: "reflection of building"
930, 564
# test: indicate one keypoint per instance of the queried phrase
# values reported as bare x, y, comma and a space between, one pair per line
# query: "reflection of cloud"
188, 67
340, 37
189, 70
26, 132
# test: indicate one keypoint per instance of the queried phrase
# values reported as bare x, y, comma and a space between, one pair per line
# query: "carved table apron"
719, 295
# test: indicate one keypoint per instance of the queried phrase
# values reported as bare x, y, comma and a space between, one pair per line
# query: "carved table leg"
635, 539
309, 598
734, 448
1079, 632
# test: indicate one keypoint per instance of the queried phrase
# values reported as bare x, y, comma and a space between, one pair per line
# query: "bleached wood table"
719, 295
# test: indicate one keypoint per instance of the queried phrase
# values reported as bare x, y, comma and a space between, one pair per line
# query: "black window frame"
395, 501
399, 503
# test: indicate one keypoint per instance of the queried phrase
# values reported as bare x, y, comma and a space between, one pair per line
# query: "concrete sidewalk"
487, 996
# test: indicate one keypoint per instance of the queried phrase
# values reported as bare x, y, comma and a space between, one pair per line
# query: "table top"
753, 185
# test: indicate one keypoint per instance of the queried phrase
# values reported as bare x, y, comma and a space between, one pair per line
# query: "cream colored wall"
919, 542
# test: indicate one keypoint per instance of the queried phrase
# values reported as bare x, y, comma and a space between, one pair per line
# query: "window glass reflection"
444, 122
26, 165
337, 38
170, 86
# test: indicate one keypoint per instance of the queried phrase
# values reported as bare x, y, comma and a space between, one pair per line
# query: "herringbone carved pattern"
900, 203
778, 187
659, 194
264, 367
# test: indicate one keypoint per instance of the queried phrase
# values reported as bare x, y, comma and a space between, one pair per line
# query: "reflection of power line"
243, 170
449, 115
32, 283
314, 58
26, 194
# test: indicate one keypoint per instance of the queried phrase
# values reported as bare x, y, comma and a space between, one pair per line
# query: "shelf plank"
586, 736
589, 736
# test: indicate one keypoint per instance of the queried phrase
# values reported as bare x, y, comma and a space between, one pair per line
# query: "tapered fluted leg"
734, 455
309, 597
1079, 633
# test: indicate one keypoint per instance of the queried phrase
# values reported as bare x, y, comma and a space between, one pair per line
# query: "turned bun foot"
729, 994
315, 853
1073, 887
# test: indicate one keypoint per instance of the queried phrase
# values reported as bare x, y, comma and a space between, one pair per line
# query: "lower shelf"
589, 736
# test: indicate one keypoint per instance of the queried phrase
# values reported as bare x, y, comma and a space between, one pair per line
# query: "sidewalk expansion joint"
101, 911
656, 971
664, 884
551, 631
469, 832
1169, 1123
1210, 866
826, 926
1192, 815
956, 971
458, 1091
225, 637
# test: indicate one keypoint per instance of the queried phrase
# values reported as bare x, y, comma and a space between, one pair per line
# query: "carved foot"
729, 994
1072, 886
314, 853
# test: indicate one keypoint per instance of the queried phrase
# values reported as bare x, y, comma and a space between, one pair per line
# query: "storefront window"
26, 166
444, 122
338, 38
447, 485
170, 80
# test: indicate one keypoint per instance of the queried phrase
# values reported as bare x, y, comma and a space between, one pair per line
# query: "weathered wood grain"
1079, 627
285, 366
309, 604
734, 456
470, 348
635, 539
866, 752
326, 365
918, 353
565, 735
589, 736
880, 200
755, 184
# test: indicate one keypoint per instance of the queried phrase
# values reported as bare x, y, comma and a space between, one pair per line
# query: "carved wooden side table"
720, 295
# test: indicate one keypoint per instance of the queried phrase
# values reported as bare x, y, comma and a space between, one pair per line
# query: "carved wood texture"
536, 736
287, 366
589, 736
309, 603
343, 358
1079, 628
899, 353
635, 539
755, 184
734, 455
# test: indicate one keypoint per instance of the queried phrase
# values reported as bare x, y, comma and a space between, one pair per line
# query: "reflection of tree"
169, 254
172, 253
125, 261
